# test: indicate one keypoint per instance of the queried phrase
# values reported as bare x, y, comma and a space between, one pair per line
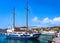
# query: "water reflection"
22, 41
4, 40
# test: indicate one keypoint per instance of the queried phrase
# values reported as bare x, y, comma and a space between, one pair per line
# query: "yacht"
13, 33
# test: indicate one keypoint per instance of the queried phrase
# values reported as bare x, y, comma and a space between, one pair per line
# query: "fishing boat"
12, 33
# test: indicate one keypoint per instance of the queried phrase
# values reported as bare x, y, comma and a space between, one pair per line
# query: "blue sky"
42, 13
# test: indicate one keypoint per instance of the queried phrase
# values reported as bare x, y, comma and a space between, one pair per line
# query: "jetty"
56, 40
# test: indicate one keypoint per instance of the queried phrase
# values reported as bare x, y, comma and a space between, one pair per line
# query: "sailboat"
12, 33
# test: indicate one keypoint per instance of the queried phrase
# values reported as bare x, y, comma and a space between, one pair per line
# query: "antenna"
27, 14
13, 17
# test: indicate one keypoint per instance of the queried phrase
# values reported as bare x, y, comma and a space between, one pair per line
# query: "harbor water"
42, 39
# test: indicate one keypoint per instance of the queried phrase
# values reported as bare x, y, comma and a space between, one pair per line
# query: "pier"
56, 40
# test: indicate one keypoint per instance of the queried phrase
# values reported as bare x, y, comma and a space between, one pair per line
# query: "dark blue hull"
35, 36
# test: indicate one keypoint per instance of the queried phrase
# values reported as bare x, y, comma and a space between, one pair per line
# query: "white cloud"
47, 21
35, 19
56, 20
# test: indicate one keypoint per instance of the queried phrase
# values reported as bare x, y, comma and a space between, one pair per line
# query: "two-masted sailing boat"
16, 33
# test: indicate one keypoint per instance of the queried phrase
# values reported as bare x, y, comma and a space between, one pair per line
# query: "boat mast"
13, 17
27, 14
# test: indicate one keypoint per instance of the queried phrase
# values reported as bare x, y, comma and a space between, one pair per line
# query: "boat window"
22, 28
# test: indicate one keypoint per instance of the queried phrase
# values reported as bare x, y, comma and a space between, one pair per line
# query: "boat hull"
35, 36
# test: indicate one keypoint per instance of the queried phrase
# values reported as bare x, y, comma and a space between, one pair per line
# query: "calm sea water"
4, 40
